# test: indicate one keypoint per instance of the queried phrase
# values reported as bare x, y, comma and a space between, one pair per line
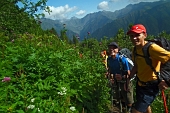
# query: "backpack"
128, 55
164, 73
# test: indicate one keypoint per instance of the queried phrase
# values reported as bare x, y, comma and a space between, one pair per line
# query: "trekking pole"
120, 102
111, 96
111, 99
163, 97
111, 86
164, 100
126, 89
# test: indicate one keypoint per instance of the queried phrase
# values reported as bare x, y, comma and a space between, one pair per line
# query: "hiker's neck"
141, 45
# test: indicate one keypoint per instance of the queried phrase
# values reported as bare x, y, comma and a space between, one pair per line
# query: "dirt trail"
114, 109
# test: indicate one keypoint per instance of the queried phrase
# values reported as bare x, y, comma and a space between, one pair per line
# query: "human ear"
145, 34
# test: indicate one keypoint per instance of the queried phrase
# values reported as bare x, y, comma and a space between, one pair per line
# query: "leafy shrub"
47, 75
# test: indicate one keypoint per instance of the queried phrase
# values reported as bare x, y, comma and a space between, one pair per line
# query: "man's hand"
112, 81
126, 84
118, 77
162, 85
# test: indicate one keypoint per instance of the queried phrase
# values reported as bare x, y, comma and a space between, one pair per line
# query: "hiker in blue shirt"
119, 68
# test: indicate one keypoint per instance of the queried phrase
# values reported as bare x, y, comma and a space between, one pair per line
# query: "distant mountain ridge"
155, 19
155, 15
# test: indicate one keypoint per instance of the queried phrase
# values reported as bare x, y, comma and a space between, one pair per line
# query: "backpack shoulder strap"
124, 72
120, 62
146, 54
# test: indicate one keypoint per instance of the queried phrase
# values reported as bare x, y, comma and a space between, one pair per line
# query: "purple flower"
88, 33
6, 79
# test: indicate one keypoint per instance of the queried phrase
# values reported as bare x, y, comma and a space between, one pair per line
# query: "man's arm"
133, 71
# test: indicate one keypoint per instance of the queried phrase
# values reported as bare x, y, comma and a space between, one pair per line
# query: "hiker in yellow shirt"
148, 85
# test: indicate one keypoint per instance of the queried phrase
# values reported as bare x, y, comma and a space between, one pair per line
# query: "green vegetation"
47, 73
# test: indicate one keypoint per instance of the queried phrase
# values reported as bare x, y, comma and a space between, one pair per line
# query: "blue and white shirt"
114, 64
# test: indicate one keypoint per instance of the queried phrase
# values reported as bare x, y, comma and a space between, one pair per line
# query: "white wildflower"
32, 100
59, 93
72, 108
38, 109
31, 107
64, 89
63, 92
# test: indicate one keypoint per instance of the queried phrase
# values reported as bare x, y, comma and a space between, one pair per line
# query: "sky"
65, 9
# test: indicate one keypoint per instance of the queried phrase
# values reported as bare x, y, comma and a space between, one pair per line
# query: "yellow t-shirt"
158, 55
